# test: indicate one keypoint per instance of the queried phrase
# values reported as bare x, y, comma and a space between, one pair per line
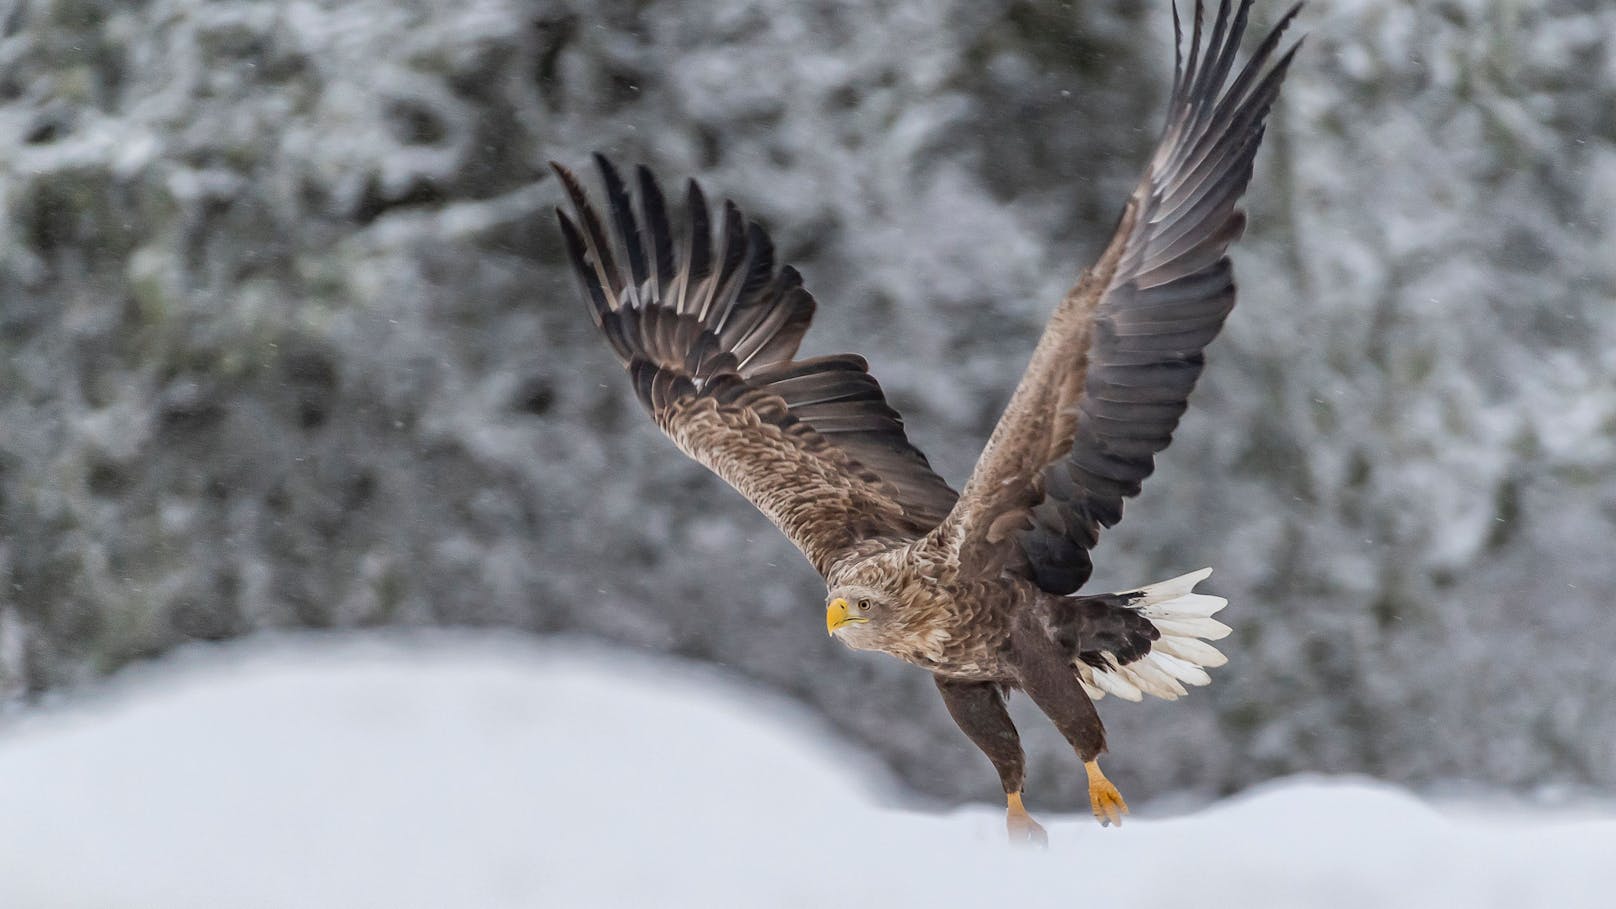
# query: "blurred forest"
286, 342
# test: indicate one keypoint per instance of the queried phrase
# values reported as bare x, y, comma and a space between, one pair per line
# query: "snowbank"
459, 772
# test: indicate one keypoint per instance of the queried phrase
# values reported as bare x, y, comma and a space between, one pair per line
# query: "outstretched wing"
1115, 366
708, 333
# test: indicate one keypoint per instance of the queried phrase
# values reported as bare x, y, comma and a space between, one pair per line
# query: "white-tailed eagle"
977, 587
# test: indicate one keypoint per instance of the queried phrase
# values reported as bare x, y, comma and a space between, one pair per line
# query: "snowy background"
285, 343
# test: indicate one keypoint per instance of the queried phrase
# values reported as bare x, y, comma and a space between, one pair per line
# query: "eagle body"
961, 628
979, 586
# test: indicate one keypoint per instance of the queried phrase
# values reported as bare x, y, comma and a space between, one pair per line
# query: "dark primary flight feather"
709, 333
1114, 370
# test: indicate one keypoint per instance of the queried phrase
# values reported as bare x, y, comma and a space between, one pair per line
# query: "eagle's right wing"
709, 335
1115, 366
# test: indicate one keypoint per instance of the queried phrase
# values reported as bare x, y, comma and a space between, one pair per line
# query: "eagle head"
858, 616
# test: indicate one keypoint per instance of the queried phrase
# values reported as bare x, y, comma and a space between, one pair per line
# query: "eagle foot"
1023, 829
1103, 797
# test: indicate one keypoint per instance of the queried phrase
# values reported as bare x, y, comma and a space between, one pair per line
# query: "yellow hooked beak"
839, 613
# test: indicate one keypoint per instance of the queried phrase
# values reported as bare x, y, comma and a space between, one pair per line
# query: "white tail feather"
1188, 673
1206, 629
1191, 605
1116, 682
1157, 680
1180, 657
1192, 651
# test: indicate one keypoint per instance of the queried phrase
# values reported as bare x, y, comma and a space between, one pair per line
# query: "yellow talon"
1023, 829
1103, 797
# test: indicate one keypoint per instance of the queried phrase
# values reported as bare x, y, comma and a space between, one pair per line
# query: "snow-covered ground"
454, 771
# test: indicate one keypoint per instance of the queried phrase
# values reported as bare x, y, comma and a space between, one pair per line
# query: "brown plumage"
976, 587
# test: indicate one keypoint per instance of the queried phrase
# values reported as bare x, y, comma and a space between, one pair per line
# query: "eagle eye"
864, 604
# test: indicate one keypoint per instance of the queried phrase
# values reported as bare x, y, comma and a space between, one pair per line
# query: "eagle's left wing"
1115, 366
709, 335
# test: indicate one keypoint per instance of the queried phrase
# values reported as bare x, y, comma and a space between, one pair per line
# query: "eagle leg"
1044, 670
979, 709
1104, 798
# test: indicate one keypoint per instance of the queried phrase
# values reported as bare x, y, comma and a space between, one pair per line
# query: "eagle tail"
1179, 657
